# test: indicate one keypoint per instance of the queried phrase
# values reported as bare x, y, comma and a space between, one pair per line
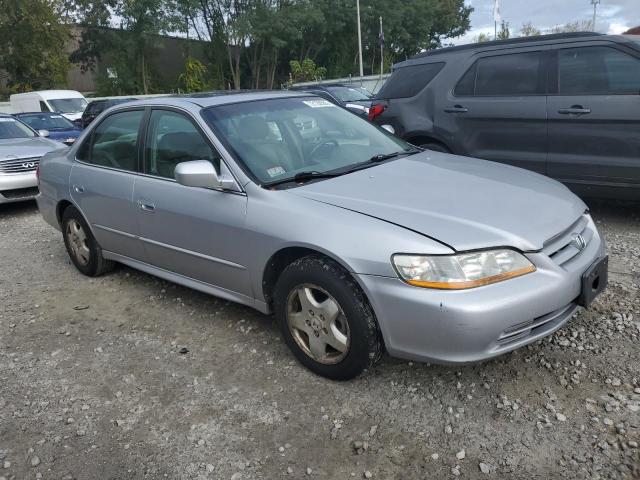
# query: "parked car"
354, 98
59, 127
21, 148
68, 103
96, 107
564, 105
357, 242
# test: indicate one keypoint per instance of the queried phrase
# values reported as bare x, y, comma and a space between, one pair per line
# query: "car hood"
27, 147
462, 202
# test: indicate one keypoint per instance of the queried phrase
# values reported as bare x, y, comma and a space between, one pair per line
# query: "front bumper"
17, 187
465, 326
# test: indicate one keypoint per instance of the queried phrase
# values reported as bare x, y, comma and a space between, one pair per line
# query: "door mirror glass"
43, 133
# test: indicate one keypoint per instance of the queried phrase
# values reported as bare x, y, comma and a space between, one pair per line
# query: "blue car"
59, 128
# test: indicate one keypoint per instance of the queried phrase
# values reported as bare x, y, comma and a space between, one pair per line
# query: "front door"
594, 117
194, 232
102, 179
497, 111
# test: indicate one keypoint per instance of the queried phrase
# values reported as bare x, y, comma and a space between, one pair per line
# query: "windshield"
47, 122
12, 128
68, 105
351, 94
276, 139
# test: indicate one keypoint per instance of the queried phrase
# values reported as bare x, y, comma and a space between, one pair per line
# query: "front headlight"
465, 270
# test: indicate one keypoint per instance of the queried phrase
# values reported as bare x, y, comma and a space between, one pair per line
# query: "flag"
381, 35
496, 11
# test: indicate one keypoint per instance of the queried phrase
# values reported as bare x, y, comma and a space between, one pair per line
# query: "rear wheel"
82, 247
326, 319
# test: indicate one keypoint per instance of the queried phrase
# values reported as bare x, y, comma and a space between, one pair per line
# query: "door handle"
146, 206
78, 188
456, 109
575, 110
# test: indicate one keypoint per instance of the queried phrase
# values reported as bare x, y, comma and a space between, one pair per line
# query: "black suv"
565, 105
96, 107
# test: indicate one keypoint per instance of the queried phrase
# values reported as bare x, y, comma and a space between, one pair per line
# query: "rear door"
102, 179
594, 115
194, 232
497, 111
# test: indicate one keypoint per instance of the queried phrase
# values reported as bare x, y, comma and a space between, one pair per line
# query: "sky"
614, 16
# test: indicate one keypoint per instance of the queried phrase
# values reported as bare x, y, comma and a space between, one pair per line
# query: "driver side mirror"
202, 174
43, 133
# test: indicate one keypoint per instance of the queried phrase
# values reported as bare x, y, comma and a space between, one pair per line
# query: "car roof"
210, 99
437, 54
51, 94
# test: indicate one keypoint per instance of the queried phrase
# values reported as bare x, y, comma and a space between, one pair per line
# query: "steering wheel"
317, 148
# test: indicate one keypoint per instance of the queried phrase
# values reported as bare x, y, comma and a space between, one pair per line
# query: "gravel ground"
127, 376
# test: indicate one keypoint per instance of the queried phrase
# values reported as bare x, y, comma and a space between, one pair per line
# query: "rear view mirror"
43, 133
202, 174
389, 129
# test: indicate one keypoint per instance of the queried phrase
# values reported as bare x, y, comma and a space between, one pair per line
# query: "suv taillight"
375, 110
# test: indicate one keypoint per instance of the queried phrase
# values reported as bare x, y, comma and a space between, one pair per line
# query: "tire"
82, 247
436, 147
315, 282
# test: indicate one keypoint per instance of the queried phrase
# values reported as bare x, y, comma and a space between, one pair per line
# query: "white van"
69, 103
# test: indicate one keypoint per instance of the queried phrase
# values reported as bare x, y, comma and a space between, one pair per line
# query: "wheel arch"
283, 257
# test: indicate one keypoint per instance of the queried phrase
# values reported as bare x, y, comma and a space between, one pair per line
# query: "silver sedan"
357, 241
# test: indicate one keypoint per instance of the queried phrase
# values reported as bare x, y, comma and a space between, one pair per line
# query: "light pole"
595, 4
359, 41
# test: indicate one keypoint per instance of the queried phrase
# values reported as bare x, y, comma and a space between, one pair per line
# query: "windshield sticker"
275, 171
319, 103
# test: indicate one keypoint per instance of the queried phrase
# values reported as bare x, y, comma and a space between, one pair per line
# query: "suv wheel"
326, 319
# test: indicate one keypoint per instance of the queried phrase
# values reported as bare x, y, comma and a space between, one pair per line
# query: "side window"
597, 71
172, 138
44, 107
509, 75
505, 76
114, 142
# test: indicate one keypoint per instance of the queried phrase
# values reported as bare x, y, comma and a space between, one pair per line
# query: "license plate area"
594, 281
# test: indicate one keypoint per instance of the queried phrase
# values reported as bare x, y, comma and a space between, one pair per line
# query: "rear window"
409, 81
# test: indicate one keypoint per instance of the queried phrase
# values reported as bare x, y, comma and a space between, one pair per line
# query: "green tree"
504, 33
482, 37
306, 71
528, 30
32, 40
123, 52
194, 77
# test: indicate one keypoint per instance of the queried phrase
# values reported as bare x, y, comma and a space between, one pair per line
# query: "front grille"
533, 327
20, 193
19, 165
569, 243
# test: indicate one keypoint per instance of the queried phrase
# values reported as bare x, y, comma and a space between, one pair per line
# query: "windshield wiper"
305, 177
381, 157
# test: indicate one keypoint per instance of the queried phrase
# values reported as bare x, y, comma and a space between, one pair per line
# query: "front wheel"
326, 319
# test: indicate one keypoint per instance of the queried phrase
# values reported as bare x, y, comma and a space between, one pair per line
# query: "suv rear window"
408, 81
504, 75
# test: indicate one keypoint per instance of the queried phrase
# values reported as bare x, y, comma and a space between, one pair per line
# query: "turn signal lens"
462, 271
375, 110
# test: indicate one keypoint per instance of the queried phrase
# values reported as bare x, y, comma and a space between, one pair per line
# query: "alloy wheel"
318, 324
78, 242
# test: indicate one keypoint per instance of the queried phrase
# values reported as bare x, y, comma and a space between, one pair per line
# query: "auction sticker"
319, 103
275, 171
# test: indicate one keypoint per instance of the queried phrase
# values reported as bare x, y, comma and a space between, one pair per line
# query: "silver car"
21, 148
357, 241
